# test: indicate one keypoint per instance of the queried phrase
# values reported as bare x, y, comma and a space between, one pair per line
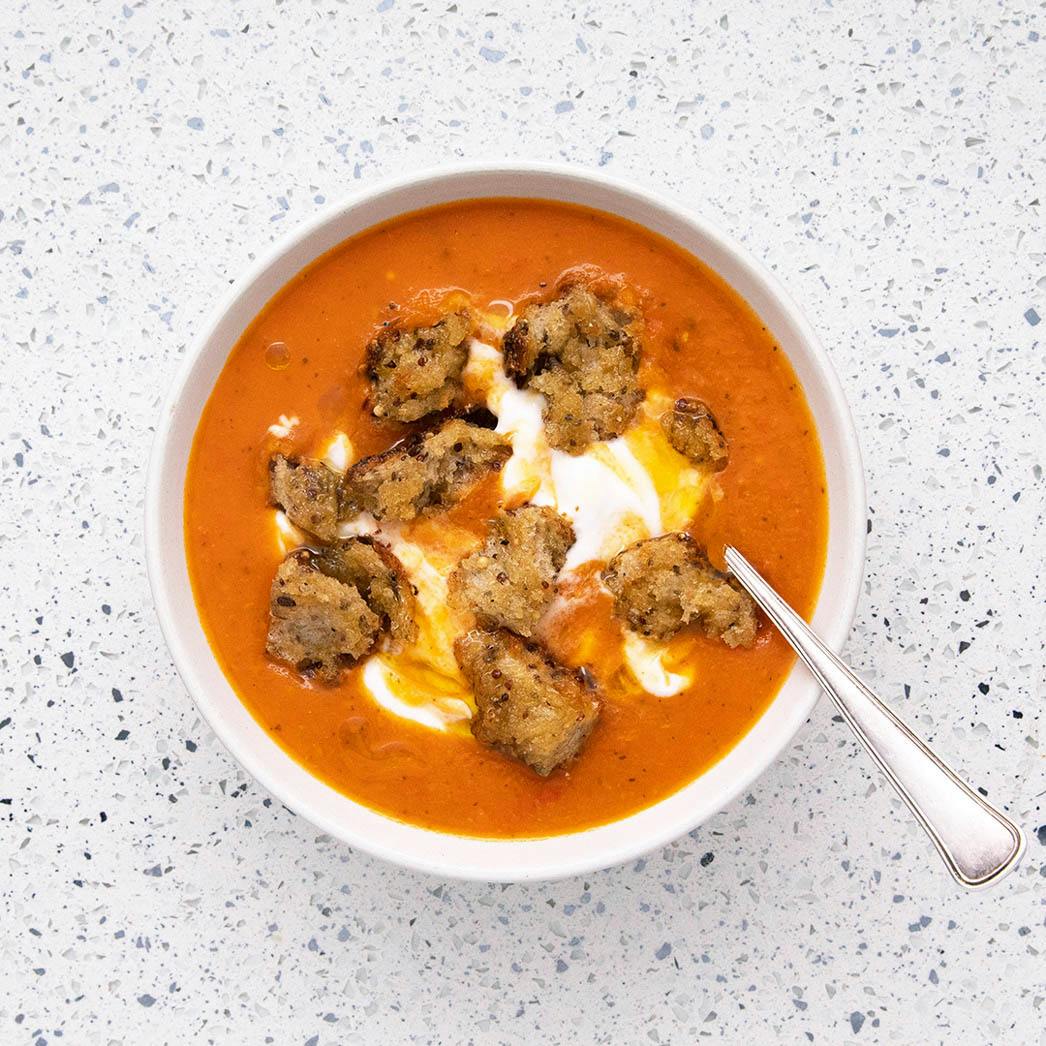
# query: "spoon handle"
979, 845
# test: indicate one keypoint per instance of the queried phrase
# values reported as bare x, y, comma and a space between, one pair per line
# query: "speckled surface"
889, 166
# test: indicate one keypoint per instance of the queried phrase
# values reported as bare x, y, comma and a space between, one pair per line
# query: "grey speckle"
856, 1021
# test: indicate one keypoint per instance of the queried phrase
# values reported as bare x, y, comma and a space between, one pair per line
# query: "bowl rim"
473, 860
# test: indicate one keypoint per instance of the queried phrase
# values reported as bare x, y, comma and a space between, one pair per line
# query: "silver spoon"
979, 845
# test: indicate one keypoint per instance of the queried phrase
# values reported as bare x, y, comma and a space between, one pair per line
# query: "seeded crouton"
527, 706
317, 623
308, 492
660, 585
510, 581
415, 372
374, 571
582, 351
425, 472
691, 428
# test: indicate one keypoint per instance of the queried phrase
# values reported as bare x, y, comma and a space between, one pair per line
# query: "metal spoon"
979, 845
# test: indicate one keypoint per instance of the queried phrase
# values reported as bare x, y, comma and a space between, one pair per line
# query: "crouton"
317, 623
692, 429
425, 472
528, 706
662, 584
374, 571
308, 492
582, 351
413, 372
510, 581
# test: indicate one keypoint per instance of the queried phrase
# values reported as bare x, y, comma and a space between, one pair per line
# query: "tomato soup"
296, 376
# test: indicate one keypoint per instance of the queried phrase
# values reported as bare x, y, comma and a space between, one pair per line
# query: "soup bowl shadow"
502, 860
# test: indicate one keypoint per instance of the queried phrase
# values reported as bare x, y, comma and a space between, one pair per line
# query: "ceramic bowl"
418, 848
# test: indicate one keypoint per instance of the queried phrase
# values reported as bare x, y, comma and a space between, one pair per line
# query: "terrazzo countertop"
888, 161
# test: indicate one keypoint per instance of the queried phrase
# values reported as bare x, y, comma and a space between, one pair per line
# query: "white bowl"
439, 853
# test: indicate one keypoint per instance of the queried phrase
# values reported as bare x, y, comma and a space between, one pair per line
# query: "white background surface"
887, 161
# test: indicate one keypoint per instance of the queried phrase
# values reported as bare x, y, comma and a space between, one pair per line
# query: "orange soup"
295, 383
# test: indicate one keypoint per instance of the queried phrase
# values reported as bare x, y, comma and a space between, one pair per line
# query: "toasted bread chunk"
317, 623
692, 429
374, 571
527, 706
662, 584
510, 581
308, 492
582, 351
425, 472
414, 372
